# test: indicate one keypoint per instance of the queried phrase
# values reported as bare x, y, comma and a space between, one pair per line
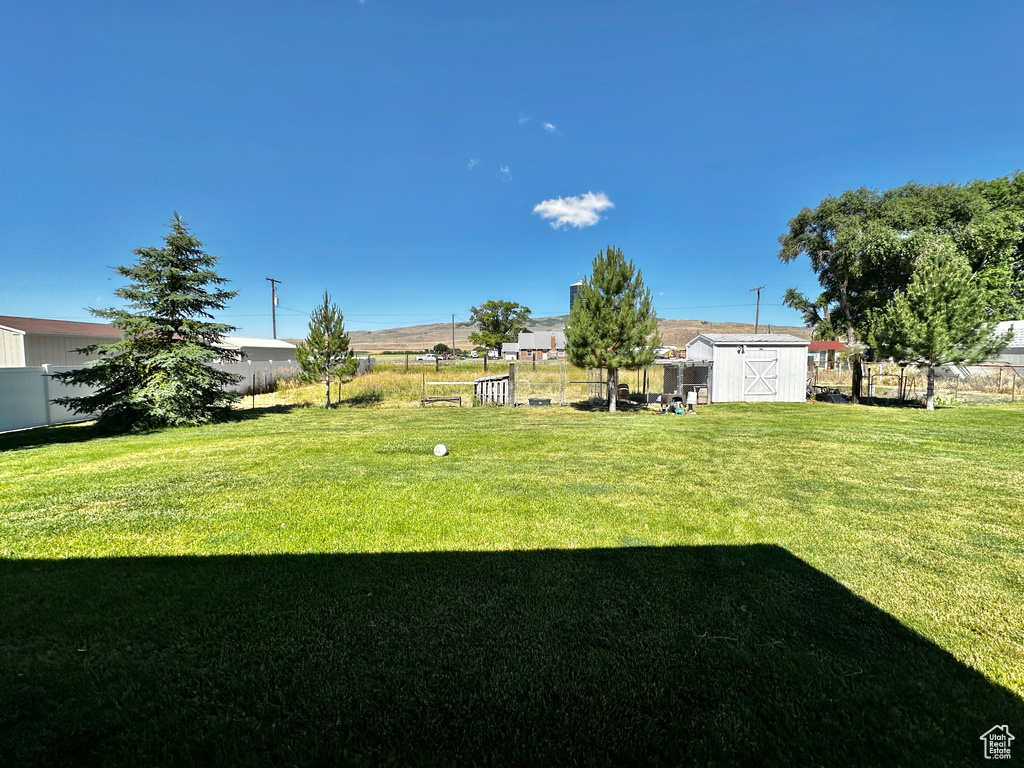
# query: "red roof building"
824, 352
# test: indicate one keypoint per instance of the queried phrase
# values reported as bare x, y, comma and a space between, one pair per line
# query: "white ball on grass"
440, 449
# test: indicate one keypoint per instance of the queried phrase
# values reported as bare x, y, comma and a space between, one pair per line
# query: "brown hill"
418, 338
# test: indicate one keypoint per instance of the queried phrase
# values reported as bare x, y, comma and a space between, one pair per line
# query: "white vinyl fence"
25, 395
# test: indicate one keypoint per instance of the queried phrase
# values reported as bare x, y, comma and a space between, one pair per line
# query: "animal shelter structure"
751, 367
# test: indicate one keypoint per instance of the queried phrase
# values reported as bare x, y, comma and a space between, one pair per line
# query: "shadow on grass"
362, 400
602, 405
86, 431
648, 655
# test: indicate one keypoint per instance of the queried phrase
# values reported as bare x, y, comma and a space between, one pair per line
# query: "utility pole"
273, 302
757, 312
453, 334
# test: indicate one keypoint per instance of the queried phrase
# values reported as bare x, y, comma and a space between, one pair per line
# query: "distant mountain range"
417, 338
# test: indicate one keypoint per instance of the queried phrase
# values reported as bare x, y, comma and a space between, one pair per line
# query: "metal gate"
761, 374
540, 382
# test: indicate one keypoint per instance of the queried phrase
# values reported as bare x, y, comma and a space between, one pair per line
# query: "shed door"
761, 374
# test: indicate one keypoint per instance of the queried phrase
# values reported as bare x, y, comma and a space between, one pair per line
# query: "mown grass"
775, 583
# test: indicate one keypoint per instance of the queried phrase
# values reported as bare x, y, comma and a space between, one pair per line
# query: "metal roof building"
260, 350
1013, 353
749, 367
33, 341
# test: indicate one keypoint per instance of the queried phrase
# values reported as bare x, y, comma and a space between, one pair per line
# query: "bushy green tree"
499, 322
324, 353
942, 316
612, 323
159, 373
863, 244
442, 349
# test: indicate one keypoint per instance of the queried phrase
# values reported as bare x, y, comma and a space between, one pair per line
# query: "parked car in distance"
426, 358
474, 353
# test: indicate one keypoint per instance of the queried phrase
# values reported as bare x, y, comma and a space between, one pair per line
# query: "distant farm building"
752, 367
28, 342
824, 353
1012, 353
32, 341
260, 350
540, 345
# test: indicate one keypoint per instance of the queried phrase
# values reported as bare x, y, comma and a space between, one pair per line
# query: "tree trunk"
613, 386
930, 400
857, 374
327, 385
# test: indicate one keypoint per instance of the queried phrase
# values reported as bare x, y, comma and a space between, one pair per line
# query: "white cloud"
550, 128
505, 172
523, 119
471, 163
581, 211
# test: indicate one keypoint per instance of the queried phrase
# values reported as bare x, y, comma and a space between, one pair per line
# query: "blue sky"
403, 155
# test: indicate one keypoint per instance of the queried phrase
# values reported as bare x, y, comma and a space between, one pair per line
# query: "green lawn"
788, 584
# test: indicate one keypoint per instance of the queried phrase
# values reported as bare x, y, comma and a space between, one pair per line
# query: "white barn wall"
46, 349
728, 369
792, 374
12, 348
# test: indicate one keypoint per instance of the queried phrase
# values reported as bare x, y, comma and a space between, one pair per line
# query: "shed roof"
59, 327
766, 339
1016, 325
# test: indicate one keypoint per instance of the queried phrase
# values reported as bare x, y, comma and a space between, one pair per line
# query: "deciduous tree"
862, 245
500, 322
324, 353
612, 323
159, 373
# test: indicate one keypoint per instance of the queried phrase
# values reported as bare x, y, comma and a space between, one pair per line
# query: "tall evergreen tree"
324, 353
158, 374
942, 316
612, 323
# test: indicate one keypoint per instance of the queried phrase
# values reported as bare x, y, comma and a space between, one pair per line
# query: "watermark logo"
997, 742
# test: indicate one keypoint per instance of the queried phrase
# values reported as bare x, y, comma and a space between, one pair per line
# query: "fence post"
46, 395
511, 384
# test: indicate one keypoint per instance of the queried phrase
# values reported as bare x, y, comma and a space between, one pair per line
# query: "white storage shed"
753, 367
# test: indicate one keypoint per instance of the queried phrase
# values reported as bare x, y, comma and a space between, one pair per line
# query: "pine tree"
612, 323
942, 316
158, 374
324, 353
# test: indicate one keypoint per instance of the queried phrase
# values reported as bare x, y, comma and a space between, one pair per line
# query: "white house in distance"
260, 350
32, 341
752, 367
540, 345
28, 342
